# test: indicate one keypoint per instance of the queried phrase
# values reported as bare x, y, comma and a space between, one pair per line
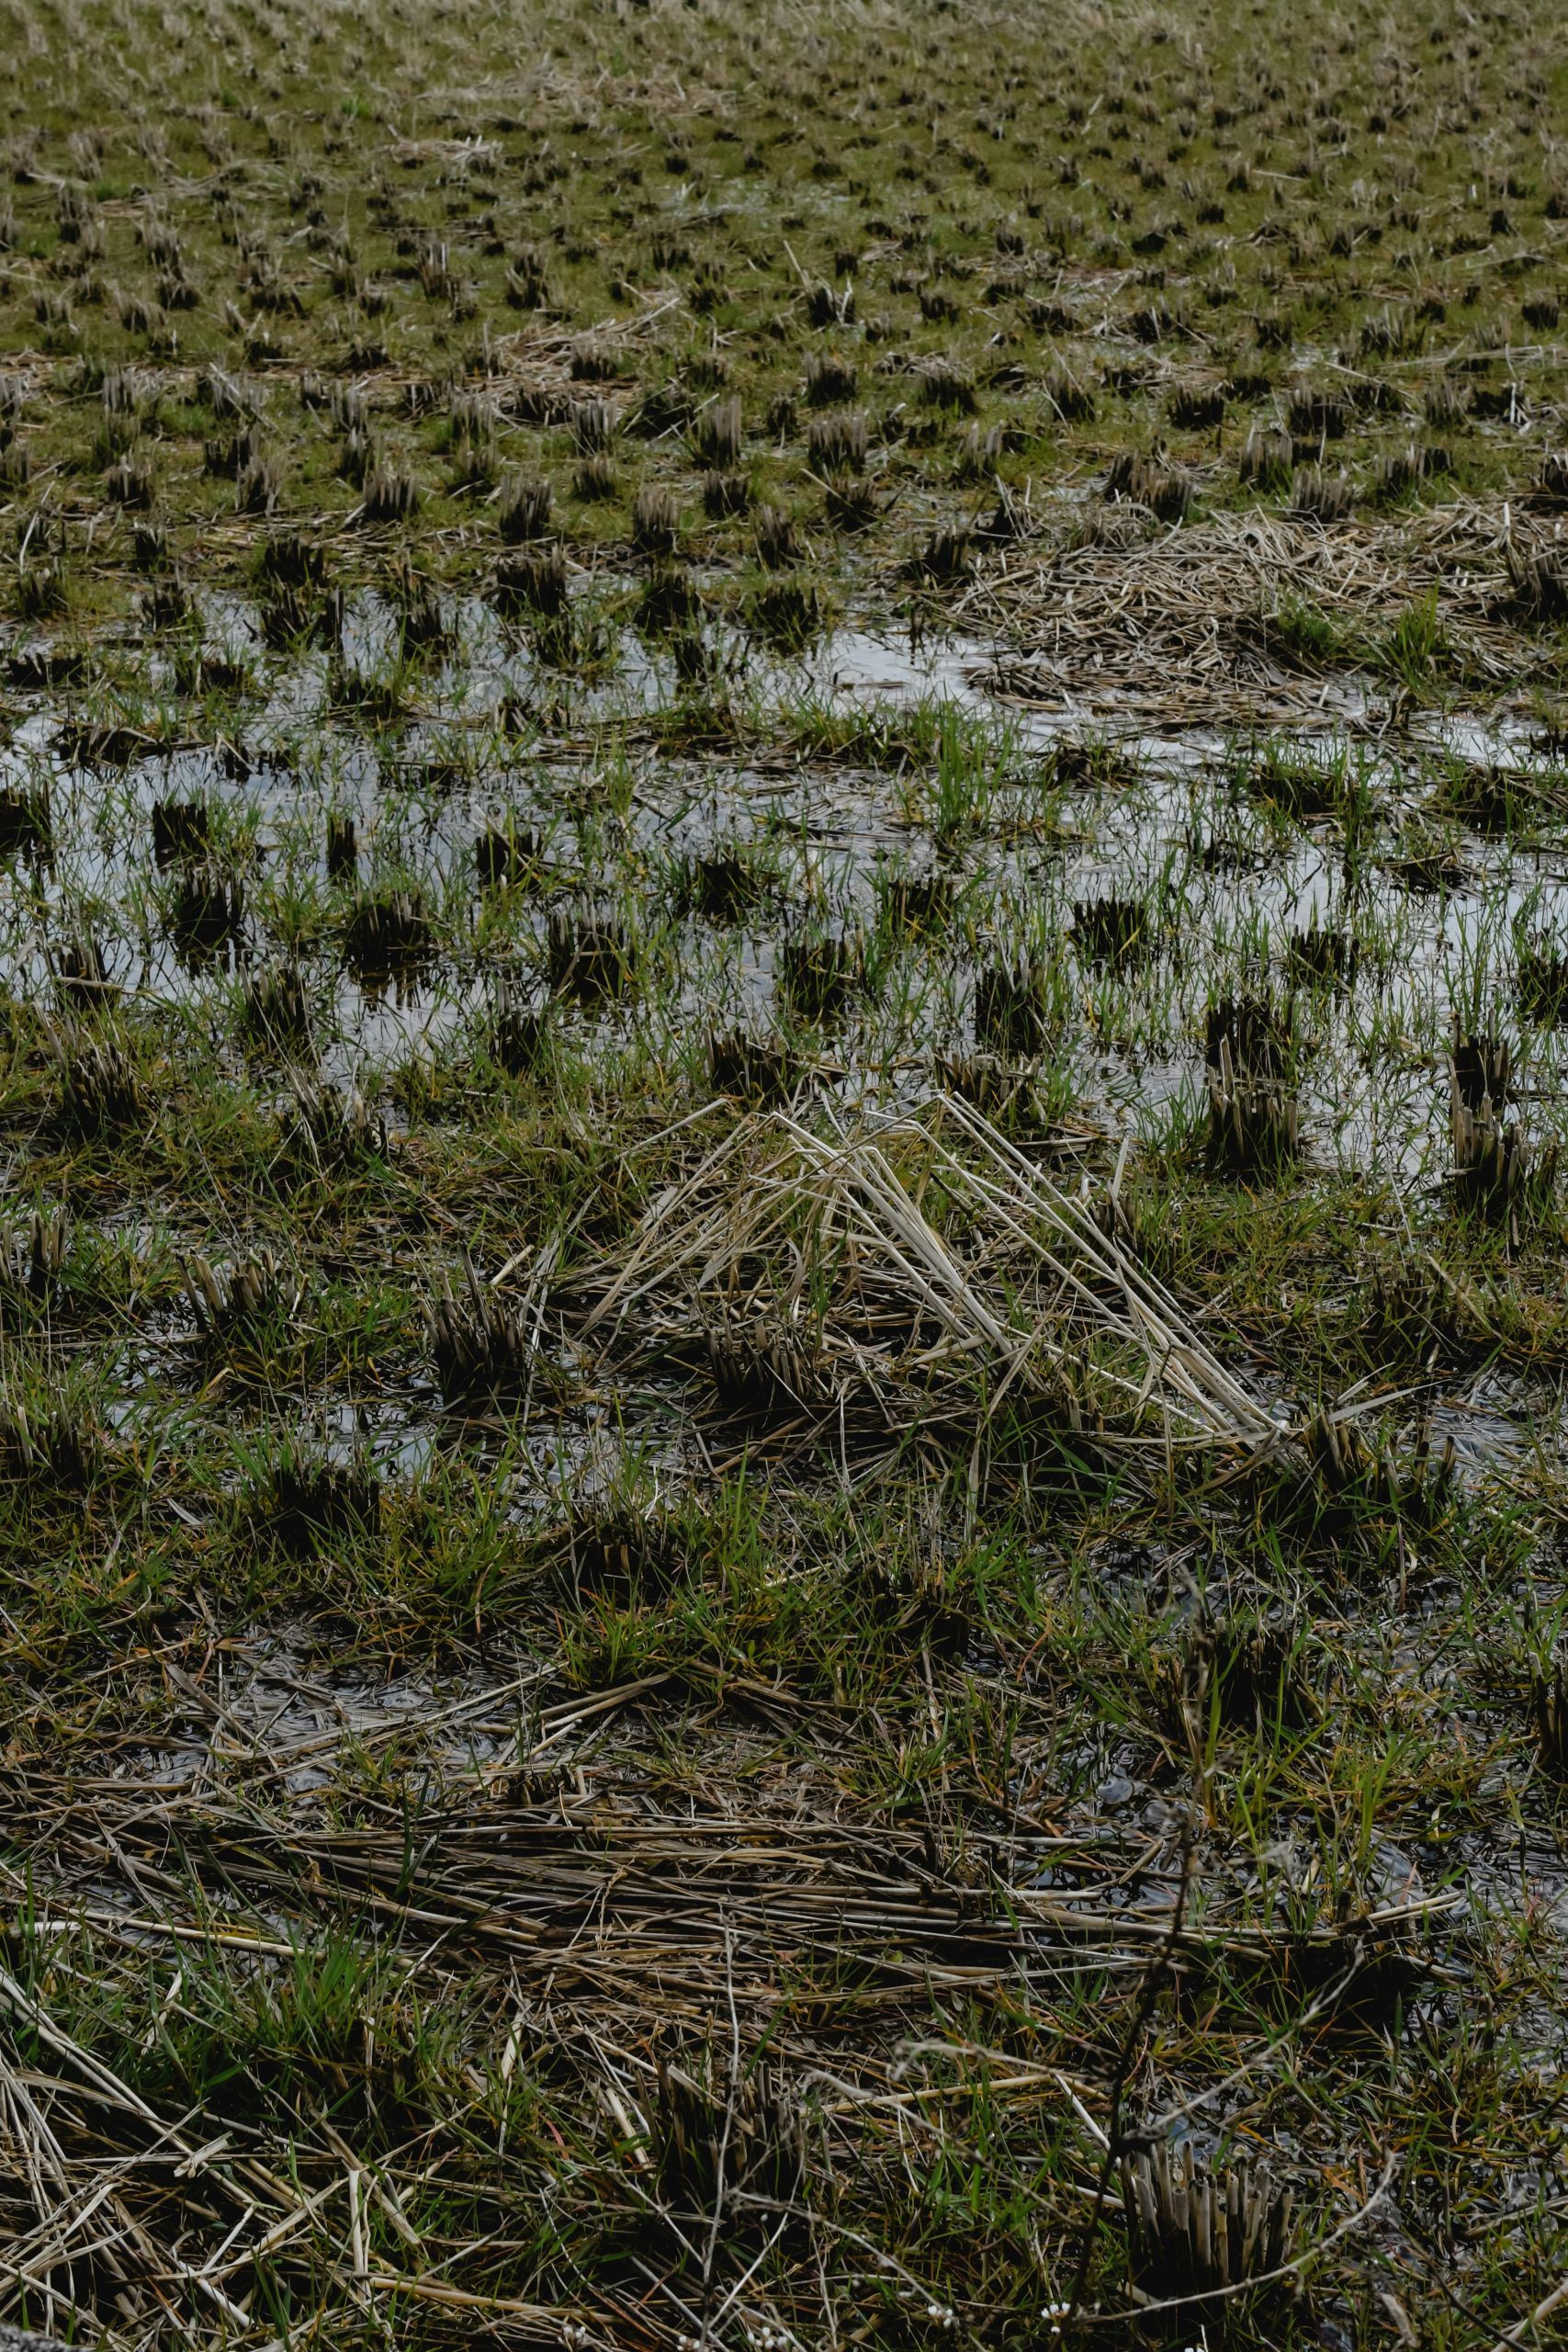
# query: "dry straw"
923, 1263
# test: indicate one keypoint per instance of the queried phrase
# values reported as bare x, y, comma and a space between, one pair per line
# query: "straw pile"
910, 1271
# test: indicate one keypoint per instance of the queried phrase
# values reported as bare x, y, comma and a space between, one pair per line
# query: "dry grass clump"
590, 955
837, 441
100, 1086
944, 557
478, 1339
1551, 482
724, 884
947, 385
1012, 1008
594, 427
1538, 579
32, 1258
1198, 408
715, 436
655, 521
1493, 1175
131, 482
390, 495
55, 1442
726, 495
1154, 483
1319, 497
595, 480
1192, 2231
525, 510
713, 2131
506, 855
387, 933
317, 1503
1249, 1057
260, 1290
331, 1126
766, 1370
787, 613
751, 1069
1445, 405
278, 1008
534, 580
1322, 955
821, 973
775, 539
1267, 462
206, 914
850, 503
81, 975
1314, 414
1398, 472
25, 830
1248, 1668
622, 1555
1113, 930
830, 381
519, 1032
980, 452
342, 848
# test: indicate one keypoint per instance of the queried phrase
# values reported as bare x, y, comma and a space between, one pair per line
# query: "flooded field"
784, 975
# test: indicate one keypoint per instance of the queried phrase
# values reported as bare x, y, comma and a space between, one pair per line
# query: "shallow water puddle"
710, 862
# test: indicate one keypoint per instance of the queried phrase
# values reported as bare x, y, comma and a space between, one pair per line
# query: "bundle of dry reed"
917, 1264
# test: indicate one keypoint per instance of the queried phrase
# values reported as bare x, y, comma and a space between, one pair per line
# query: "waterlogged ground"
870, 863
875, 794
784, 962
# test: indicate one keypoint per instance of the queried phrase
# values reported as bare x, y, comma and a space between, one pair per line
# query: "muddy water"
1225, 881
